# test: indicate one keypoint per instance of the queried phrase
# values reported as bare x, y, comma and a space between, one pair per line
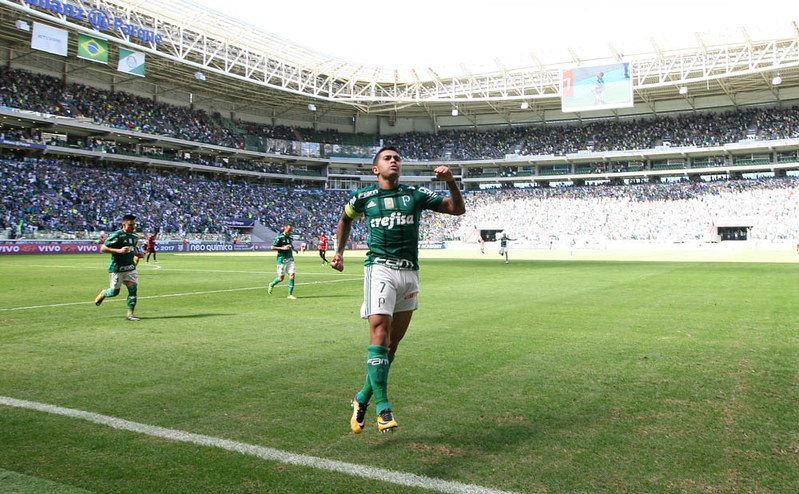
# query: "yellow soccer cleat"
291, 297
385, 421
100, 297
358, 415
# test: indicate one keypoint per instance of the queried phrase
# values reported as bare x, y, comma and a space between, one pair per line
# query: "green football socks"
365, 394
377, 369
291, 286
132, 289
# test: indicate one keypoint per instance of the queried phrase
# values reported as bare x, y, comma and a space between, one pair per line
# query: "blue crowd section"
40, 196
36, 92
50, 195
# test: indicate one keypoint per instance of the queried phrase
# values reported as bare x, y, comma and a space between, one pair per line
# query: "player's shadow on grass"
186, 316
450, 453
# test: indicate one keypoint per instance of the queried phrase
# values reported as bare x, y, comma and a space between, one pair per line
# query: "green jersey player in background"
122, 244
285, 260
391, 273
503, 246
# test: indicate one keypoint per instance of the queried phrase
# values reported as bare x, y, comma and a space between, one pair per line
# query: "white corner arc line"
271, 454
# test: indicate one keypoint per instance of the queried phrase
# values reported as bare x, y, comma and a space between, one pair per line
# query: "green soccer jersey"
392, 218
122, 262
283, 256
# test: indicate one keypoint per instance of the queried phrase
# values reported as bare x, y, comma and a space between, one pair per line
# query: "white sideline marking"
391, 476
121, 299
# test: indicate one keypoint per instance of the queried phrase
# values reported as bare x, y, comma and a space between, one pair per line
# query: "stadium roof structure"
217, 58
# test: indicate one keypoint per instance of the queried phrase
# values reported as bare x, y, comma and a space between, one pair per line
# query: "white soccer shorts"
117, 279
285, 268
387, 291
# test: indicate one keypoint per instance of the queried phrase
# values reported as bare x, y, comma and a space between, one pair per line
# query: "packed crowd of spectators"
82, 198
48, 195
25, 90
42, 93
665, 212
701, 130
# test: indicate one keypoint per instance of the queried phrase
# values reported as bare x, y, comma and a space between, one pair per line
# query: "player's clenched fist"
444, 173
337, 262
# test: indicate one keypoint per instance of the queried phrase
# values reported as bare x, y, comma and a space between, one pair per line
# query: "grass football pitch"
536, 376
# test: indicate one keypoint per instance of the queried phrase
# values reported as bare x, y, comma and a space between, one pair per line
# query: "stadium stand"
201, 169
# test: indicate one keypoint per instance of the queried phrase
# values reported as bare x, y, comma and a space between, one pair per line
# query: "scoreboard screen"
598, 87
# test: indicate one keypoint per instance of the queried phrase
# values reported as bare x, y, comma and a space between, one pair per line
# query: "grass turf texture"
537, 376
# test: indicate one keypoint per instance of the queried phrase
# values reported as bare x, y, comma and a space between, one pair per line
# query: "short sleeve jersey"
392, 219
322, 242
122, 262
151, 242
283, 256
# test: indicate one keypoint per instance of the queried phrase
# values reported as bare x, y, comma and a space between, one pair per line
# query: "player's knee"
132, 289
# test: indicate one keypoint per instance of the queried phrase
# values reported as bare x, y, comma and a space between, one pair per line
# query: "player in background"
503, 246
122, 245
482, 245
599, 89
391, 273
136, 259
151, 248
285, 260
323, 248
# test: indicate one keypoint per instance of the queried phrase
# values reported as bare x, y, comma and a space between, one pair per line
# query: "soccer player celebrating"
323, 248
122, 244
503, 246
391, 273
285, 260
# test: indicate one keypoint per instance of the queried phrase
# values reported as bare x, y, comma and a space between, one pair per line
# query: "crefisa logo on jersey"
388, 222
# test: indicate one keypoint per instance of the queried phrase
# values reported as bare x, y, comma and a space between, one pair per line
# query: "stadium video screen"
598, 87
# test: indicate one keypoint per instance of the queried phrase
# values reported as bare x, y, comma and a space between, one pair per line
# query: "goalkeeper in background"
123, 247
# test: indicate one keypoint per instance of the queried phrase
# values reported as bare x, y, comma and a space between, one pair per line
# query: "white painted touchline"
391, 476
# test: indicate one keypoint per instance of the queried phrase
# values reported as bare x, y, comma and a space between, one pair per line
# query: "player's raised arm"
342, 237
454, 203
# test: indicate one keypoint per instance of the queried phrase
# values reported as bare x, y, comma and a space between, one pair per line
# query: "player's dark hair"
128, 217
384, 148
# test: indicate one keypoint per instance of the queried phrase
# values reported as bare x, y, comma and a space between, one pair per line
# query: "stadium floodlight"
683, 89
777, 80
312, 107
199, 76
455, 111
22, 25
525, 105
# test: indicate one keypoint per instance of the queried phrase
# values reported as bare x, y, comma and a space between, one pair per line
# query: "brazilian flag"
94, 49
